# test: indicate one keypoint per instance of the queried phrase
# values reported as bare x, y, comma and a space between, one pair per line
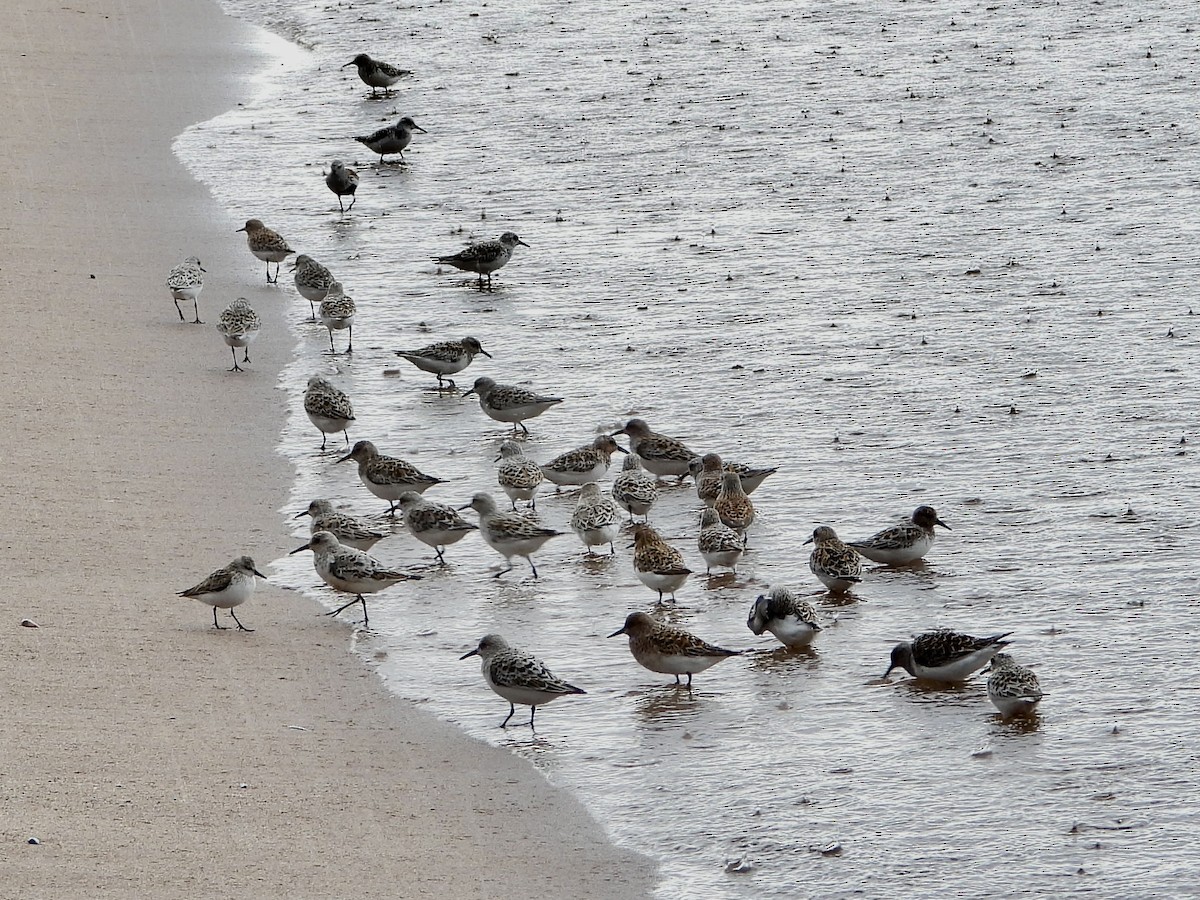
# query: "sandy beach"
149, 754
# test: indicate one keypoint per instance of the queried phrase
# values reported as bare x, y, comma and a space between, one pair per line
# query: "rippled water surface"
909, 253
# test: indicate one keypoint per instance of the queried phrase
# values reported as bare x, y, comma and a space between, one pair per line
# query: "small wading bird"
238, 326
518, 677
392, 139
484, 258
266, 245
343, 182
226, 588
185, 282
670, 651
445, 358
376, 74
352, 571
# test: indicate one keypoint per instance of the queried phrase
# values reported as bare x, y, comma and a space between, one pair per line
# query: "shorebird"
596, 519
584, 464
732, 506
226, 588
633, 489
337, 314
266, 245
352, 571
352, 531
708, 469
671, 651
835, 565
328, 408
902, 544
433, 524
509, 533
386, 476
392, 139
445, 358
185, 282
719, 544
519, 475
312, 279
661, 455
792, 620
343, 182
238, 326
1013, 689
485, 257
376, 74
508, 403
518, 677
657, 564
945, 655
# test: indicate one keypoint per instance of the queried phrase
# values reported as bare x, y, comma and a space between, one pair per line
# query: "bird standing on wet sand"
226, 588
328, 408
312, 280
902, 544
392, 139
518, 677
509, 533
508, 403
343, 182
671, 651
352, 571
945, 655
434, 524
661, 455
185, 282
387, 477
596, 519
445, 358
519, 475
376, 74
238, 325
485, 257
337, 314
835, 565
266, 245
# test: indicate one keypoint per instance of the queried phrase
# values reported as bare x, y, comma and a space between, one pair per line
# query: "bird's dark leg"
246, 354
532, 566
392, 509
677, 679
332, 349
523, 428
181, 319
532, 713
503, 571
440, 557
350, 340
511, 710
346, 435
367, 623
322, 440
240, 626
341, 209
313, 308
689, 684
196, 310
236, 367
217, 625
353, 200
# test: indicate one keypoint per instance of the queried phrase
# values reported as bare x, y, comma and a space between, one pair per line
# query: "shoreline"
148, 753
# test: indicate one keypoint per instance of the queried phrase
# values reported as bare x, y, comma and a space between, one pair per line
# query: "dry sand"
151, 755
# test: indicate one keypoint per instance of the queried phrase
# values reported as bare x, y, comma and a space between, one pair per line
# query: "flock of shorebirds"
340, 541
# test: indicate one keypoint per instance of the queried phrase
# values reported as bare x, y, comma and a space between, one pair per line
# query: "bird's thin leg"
677, 679
240, 626
196, 310
532, 713
322, 440
236, 367
503, 571
180, 311
341, 209
392, 509
350, 341
529, 559
216, 624
523, 428
246, 354
689, 684
345, 605
353, 200
511, 710
332, 349
366, 622
313, 307
346, 435
440, 558
612, 550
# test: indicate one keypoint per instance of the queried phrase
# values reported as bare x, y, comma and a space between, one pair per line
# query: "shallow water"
909, 253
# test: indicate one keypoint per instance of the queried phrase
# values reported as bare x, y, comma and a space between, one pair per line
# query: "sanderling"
518, 677
945, 655
328, 408
708, 469
226, 588
434, 524
902, 544
485, 257
392, 139
337, 314
352, 531
185, 282
343, 182
657, 564
633, 489
671, 651
836, 566
445, 358
352, 571
519, 475
719, 544
266, 245
376, 74
596, 519
508, 403
509, 533
238, 325
1013, 689
583, 464
733, 506
661, 455
312, 279
386, 476
792, 620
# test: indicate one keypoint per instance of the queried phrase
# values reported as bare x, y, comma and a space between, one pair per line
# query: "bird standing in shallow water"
657, 564
671, 651
352, 571
376, 74
633, 489
312, 280
835, 565
519, 475
392, 139
792, 620
328, 408
343, 182
661, 455
434, 524
945, 655
485, 257
445, 358
266, 245
337, 313
509, 533
1013, 689
518, 677
509, 403
387, 477
902, 544
226, 588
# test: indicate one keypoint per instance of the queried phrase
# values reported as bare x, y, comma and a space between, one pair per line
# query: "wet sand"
148, 753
